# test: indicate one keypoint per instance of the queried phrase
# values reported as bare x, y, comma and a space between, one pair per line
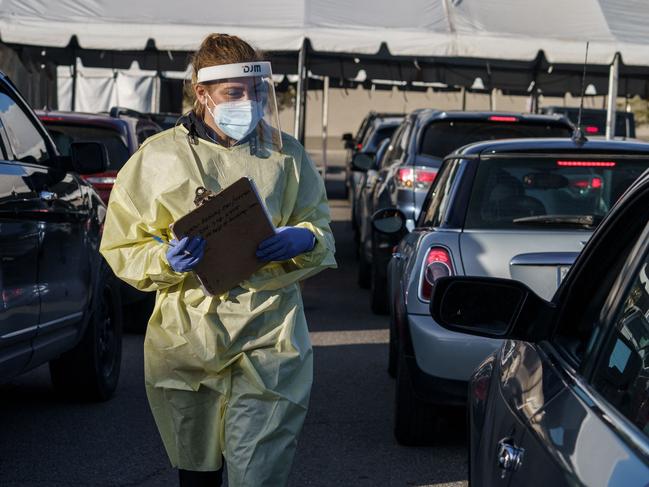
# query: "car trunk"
540, 259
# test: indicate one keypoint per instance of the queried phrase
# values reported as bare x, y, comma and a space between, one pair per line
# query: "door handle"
510, 457
47, 196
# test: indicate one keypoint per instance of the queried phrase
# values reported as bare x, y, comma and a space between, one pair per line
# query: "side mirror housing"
491, 307
88, 157
349, 140
389, 221
362, 161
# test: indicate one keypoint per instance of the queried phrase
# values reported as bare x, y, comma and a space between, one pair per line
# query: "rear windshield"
64, 135
542, 193
442, 138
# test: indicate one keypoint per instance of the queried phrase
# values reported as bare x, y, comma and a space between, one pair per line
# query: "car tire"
414, 420
378, 292
364, 269
90, 371
137, 314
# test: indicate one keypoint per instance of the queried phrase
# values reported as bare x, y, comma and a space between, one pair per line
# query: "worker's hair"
217, 49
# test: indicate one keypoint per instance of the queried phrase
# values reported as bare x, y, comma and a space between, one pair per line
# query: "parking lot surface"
347, 439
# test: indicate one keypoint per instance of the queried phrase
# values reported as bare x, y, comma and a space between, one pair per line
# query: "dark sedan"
565, 400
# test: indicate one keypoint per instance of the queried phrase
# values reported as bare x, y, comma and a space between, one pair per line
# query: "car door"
584, 400
19, 243
58, 206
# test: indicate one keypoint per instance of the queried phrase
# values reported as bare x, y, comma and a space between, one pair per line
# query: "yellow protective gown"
228, 375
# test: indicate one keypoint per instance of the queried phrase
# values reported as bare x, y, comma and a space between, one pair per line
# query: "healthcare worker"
227, 377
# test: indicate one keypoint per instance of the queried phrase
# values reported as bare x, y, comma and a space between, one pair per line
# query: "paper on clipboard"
233, 222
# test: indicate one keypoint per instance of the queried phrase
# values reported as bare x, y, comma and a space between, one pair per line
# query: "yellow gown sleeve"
307, 197
127, 245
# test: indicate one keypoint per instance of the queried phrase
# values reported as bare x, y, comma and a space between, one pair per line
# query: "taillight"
586, 163
359, 146
418, 177
594, 183
591, 129
437, 264
500, 118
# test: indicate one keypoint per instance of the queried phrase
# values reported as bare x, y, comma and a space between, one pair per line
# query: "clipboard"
233, 222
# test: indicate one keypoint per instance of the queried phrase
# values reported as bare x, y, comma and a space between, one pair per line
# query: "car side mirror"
88, 157
491, 307
389, 221
362, 162
349, 140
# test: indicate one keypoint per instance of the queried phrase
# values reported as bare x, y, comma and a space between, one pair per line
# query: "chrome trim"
58, 321
14, 334
544, 258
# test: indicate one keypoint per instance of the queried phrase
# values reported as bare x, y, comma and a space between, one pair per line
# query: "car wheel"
90, 371
137, 314
364, 269
414, 420
378, 292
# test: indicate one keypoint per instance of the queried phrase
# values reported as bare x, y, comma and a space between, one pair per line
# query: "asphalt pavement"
347, 439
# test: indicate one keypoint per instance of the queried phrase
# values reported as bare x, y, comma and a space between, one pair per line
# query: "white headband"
238, 70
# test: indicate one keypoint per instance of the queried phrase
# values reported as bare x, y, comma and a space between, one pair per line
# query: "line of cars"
550, 377
59, 301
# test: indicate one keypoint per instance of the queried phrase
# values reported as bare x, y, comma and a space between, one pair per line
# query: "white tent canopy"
497, 29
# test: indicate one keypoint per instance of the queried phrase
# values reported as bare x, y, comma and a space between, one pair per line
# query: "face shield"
241, 99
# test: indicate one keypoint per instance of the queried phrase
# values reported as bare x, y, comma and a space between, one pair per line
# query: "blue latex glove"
185, 254
286, 244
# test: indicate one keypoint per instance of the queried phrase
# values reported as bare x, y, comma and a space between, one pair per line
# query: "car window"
443, 137
440, 195
375, 137
26, 142
394, 141
64, 134
622, 376
537, 193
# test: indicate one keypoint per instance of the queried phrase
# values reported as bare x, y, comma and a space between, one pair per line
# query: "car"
520, 209
379, 129
565, 400
165, 120
593, 120
121, 131
59, 301
411, 163
353, 143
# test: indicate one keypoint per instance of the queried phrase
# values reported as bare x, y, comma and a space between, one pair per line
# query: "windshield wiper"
575, 220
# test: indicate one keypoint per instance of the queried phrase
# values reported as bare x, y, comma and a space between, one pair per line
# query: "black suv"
59, 302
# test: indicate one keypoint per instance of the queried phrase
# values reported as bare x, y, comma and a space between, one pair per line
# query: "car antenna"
578, 135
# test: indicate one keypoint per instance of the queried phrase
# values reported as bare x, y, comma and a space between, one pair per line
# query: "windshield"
64, 135
541, 193
442, 138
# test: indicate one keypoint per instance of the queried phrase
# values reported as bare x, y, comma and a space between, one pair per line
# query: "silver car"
520, 209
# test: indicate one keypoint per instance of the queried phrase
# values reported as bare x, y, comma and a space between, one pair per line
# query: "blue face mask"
236, 119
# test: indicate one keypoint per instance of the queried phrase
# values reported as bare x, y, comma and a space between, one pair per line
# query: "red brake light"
596, 183
586, 163
438, 264
419, 177
591, 129
359, 146
46, 118
500, 118
593, 183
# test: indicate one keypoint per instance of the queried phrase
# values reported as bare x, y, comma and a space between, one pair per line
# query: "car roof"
553, 146
425, 115
382, 121
81, 117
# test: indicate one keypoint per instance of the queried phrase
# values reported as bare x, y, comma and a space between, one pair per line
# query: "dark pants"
189, 478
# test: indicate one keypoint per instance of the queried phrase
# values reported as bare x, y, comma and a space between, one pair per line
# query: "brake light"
437, 264
419, 177
586, 163
500, 118
594, 183
591, 129
359, 146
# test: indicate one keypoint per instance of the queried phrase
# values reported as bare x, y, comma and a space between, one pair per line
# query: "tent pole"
612, 97
73, 102
492, 100
325, 125
464, 98
300, 100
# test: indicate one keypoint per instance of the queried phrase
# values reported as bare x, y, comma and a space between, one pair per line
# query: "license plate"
562, 271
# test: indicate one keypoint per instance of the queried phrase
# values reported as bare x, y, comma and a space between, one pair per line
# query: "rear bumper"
434, 390
444, 355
